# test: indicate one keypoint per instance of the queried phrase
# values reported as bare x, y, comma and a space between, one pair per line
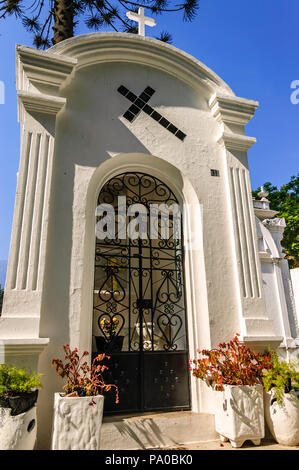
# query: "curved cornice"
96, 48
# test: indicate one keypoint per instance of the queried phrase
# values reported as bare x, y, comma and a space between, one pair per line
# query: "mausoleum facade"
111, 115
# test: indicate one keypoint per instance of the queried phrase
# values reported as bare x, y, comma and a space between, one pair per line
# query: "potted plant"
78, 411
235, 371
18, 395
111, 341
281, 401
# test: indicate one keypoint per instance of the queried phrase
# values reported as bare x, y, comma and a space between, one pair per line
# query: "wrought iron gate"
139, 302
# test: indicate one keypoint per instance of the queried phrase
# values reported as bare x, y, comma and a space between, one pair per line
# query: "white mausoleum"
114, 114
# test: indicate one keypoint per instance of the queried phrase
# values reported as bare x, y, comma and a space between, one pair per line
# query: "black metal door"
139, 303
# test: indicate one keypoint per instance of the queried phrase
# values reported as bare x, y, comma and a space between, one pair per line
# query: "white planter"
283, 421
77, 424
240, 414
17, 432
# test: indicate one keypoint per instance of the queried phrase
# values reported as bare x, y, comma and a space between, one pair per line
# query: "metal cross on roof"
141, 20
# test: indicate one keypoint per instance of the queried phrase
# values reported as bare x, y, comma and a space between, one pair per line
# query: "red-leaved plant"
82, 380
232, 363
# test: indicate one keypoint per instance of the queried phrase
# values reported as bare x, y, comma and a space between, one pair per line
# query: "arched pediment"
42, 75
95, 48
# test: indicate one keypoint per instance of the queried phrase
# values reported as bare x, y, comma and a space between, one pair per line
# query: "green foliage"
62, 16
282, 377
286, 201
14, 381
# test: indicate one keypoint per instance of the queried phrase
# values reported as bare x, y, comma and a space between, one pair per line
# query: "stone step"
156, 430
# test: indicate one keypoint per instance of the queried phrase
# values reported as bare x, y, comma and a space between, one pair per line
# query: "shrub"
81, 380
14, 381
282, 377
232, 363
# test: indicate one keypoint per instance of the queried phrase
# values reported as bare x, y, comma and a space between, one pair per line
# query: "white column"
39, 78
233, 113
22, 297
276, 228
294, 275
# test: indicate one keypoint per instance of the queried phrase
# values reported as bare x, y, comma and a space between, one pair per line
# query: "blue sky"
252, 44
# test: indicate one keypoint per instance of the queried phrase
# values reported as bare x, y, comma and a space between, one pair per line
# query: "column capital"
40, 103
40, 76
232, 141
261, 343
232, 113
20, 346
22, 352
42, 70
232, 109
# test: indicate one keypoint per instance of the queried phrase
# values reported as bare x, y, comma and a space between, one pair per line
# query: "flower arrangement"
109, 326
82, 380
232, 363
282, 377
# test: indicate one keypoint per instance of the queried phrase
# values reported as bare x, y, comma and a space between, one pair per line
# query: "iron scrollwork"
139, 281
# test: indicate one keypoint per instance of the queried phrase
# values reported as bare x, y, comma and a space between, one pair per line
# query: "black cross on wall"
140, 104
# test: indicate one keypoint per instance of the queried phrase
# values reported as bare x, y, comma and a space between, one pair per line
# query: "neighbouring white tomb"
130, 122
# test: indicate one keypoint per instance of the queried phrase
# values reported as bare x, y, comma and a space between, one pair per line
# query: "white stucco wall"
276, 276
92, 141
71, 115
295, 284
272, 299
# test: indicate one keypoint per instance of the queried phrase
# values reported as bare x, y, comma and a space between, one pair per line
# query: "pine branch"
31, 24
12, 7
106, 17
115, 12
43, 41
153, 8
130, 28
61, 14
165, 37
190, 10
94, 22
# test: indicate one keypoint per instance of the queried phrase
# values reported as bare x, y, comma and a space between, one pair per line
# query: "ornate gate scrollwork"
139, 303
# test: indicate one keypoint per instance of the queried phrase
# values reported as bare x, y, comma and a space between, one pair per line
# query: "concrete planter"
17, 432
77, 424
283, 421
240, 414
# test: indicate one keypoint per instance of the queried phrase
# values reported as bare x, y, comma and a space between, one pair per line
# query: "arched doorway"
139, 299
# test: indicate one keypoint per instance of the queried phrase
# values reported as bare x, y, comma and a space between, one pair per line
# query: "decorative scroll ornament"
139, 282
